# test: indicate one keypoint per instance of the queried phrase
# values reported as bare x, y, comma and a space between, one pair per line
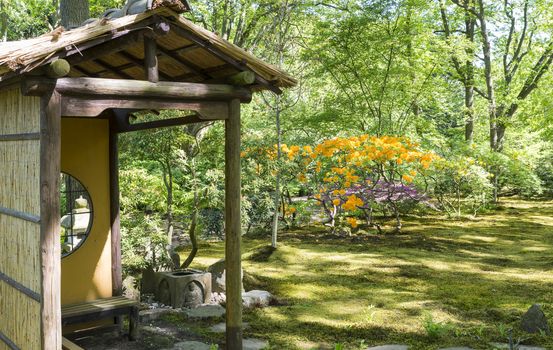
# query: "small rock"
254, 344
190, 345
130, 288
206, 311
222, 327
218, 298
534, 321
390, 347
256, 298
150, 315
218, 276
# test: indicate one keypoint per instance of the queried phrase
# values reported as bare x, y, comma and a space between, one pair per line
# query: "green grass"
440, 283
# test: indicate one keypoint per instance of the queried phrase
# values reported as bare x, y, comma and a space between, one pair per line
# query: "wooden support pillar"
150, 59
116, 270
233, 235
50, 157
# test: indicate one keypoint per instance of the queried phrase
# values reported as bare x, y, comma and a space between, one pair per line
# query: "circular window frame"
91, 211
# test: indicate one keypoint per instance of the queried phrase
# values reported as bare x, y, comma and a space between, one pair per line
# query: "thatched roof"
112, 49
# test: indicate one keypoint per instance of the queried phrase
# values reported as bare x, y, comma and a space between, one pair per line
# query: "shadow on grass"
478, 275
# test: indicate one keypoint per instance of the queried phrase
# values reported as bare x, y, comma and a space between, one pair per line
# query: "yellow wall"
86, 272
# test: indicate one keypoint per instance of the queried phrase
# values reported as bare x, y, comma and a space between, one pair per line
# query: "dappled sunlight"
468, 275
542, 220
536, 249
483, 239
476, 254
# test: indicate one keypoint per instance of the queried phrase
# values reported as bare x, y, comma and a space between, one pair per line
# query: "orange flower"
353, 202
352, 222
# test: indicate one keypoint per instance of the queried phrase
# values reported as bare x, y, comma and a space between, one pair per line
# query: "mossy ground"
440, 283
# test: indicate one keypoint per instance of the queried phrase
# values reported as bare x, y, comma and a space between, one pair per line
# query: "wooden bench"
67, 344
101, 309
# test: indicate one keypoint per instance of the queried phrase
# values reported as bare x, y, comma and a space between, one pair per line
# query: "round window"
76, 214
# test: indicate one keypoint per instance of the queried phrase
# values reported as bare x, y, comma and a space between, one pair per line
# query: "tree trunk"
274, 228
465, 70
490, 89
74, 12
193, 236
470, 24
194, 223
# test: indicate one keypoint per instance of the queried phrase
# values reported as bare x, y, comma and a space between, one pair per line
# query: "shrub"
461, 184
359, 176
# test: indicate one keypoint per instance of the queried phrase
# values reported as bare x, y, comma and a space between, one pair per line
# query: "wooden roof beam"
183, 61
99, 87
186, 48
108, 48
125, 126
136, 62
85, 71
112, 69
241, 66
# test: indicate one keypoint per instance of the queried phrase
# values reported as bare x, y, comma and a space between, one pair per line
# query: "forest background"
403, 107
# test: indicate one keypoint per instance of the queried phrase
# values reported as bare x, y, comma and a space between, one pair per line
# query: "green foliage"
461, 183
27, 19
143, 236
436, 329
98, 7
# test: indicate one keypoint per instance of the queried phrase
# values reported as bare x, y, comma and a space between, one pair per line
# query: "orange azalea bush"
355, 176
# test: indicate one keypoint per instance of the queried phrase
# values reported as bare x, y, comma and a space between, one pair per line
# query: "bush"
461, 184
361, 176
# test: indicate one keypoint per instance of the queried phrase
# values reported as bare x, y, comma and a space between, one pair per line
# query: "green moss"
475, 278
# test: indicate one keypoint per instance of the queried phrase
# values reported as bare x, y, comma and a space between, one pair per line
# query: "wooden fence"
20, 232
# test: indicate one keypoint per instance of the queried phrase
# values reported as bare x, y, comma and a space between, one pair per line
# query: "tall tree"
74, 12
525, 49
464, 66
381, 61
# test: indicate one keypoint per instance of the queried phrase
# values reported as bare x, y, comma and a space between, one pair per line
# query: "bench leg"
133, 323
119, 324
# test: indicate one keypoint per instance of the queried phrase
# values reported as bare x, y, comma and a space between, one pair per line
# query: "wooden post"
233, 235
116, 270
150, 59
50, 156
134, 319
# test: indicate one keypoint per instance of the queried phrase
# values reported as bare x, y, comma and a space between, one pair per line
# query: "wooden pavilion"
64, 98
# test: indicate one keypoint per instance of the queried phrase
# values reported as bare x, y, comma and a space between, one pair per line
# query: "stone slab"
150, 315
390, 347
206, 311
502, 346
457, 348
222, 327
190, 345
254, 344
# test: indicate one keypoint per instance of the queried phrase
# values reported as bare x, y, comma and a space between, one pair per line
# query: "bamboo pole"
233, 235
